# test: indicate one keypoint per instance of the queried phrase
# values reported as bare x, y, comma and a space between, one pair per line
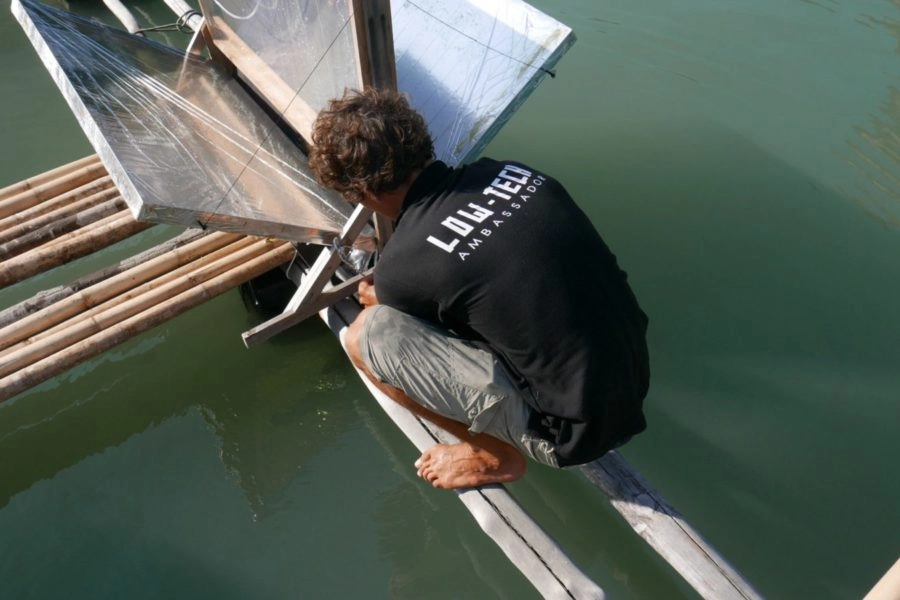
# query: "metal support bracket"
316, 291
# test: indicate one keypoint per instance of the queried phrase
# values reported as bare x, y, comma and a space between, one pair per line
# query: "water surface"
743, 161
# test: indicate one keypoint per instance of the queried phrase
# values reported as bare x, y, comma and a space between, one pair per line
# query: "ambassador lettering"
507, 186
457, 225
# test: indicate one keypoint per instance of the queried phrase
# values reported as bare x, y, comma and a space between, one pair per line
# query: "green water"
742, 159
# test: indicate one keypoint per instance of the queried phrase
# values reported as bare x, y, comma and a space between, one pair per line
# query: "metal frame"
375, 54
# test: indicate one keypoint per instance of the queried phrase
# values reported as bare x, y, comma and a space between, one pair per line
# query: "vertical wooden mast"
373, 36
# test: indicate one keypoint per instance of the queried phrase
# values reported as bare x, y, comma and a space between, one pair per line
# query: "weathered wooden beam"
374, 43
666, 531
319, 275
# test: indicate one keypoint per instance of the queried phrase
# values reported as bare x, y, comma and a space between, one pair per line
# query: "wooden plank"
306, 298
666, 531
538, 557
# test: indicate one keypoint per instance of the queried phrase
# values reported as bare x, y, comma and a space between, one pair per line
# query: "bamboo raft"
61, 327
72, 211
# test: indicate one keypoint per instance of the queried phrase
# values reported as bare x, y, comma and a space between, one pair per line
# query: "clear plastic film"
187, 144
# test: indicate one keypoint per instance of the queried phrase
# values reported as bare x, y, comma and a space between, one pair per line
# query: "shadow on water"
266, 426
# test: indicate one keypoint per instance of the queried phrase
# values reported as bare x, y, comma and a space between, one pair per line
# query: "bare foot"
450, 466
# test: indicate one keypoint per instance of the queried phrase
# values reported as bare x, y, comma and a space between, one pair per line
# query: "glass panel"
184, 143
469, 65
297, 53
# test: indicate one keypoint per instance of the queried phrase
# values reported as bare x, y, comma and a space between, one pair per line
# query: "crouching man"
496, 309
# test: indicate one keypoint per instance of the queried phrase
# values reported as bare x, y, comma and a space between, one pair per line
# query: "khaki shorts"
450, 376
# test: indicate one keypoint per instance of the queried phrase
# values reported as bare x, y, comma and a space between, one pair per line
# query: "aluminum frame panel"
183, 141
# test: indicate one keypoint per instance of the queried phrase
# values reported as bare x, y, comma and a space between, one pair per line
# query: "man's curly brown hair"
368, 141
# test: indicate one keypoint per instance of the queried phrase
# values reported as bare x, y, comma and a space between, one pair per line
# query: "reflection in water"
878, 150
891, 24
266, 440
772, 299
879, 161
268, 428
415, 534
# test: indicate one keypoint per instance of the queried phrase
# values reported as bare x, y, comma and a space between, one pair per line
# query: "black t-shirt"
501, 254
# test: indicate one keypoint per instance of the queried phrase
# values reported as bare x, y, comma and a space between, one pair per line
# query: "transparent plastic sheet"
297, 53
187, 144
183, 141
468, 65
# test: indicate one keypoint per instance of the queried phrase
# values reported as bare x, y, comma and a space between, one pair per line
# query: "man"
496, 310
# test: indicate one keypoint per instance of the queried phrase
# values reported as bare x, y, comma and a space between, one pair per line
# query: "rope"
181, 25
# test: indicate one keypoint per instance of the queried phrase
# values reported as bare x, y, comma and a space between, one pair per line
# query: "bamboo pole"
43, 328
28, 323
153, 316
73, 245
54, 187
60, 227
50, 296
42, 178
106, 223
22, 356
888, 587
82, 197
121, 12
666, 531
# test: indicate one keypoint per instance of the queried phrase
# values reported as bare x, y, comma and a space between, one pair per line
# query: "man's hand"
366, 292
